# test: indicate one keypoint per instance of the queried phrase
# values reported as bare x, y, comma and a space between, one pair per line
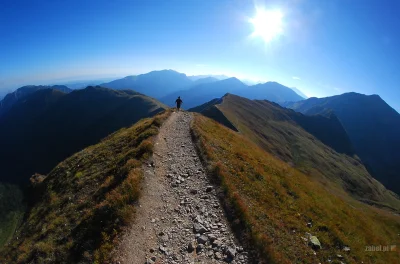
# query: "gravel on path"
179, 218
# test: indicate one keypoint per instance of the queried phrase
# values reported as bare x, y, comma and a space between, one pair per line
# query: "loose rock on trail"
179, 218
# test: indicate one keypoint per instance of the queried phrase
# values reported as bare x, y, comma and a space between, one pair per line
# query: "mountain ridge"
203, 93
373, 126
154, 84
11, 98
274, 128
96, 110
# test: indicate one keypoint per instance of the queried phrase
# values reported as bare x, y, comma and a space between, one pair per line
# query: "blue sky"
325, 48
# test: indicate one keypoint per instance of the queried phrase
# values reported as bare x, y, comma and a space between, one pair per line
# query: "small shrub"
78, 175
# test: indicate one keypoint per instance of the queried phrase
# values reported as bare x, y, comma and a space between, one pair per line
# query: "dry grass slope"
273, 204
272, 128
85, 201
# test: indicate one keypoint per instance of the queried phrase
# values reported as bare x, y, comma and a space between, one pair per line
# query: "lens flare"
267, 24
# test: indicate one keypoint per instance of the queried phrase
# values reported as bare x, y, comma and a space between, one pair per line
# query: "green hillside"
277, 208
80, 207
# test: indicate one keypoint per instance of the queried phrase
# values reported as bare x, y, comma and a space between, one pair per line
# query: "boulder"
314, 242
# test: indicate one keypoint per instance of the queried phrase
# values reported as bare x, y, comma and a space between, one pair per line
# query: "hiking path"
179, 218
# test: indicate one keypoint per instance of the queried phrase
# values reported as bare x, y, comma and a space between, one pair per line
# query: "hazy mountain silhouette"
202, 93
251, 82
155, 84
271, 91
10, 99
303, 141
81, 84
373, 127
167, 85
218, 77
48, 126
299, 92
205, 80
2, 94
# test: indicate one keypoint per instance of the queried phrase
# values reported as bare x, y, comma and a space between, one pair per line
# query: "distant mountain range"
205, 92
373, 127
45, 127
167, 85
155, 84
81, 84
218, 77
302, 141
205, 80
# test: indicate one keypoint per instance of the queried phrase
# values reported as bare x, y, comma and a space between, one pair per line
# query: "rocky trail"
179, 219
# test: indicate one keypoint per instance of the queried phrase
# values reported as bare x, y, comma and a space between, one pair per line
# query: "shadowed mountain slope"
373, 127
283, 133
210, 110
205, 92
48, 126
79, 208
201, 108
10, 99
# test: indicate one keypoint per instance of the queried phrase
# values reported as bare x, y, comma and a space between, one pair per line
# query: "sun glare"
267, 24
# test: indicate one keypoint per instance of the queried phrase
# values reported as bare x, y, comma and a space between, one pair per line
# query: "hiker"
178, 103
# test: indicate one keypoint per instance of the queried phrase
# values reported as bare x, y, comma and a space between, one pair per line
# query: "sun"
267, 24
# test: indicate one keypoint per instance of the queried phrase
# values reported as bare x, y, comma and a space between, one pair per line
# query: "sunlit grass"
273, 203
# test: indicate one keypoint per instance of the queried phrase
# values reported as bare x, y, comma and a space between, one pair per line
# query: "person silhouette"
178, 103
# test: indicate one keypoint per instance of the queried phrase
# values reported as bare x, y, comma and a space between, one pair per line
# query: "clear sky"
323, 47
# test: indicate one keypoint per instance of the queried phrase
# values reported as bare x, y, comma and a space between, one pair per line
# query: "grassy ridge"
12, 210
273, 128
274, 202
85, 201
63, 124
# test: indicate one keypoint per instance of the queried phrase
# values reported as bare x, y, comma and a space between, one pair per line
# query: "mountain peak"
165, 71
155, 83
232, 80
